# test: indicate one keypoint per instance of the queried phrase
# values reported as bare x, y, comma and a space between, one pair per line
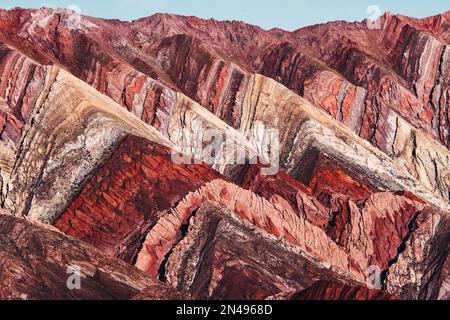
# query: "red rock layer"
141, 203
353, 75
421, 269
283, 189
235, 261
423, 61
327, 177
49, 37
352, 213
363, 77
356, 81
434, 283
34, 264
271, 218
386, 217
21, 82
330, 290
202, 74
138, 184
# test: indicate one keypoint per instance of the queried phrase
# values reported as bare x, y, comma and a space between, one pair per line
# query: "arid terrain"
359, 204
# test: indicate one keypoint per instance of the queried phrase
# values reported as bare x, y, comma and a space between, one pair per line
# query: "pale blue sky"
286, 14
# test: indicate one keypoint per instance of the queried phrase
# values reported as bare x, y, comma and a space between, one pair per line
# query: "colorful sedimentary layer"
94, 119
237, 261
71, 131
120, 203
333, 290
35, 261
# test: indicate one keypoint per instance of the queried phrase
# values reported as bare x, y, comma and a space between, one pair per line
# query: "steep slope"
123, 200
237, 261
70, 133
365, 65
366, 62
208, 63
93, 111
35, 263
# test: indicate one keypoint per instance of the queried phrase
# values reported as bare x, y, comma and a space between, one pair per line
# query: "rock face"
119, 204
265, 215
323, 290
142, 65
94, 119
237, 262
36, 264
72, 130
425, 259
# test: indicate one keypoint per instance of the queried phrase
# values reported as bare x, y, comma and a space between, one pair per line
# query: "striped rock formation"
94, 118
36, 262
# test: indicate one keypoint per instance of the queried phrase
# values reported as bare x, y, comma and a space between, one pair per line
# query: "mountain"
92, 112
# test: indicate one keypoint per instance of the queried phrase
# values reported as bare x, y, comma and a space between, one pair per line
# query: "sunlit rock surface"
91, 112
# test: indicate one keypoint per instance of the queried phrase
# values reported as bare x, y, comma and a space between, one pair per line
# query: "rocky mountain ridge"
88, 111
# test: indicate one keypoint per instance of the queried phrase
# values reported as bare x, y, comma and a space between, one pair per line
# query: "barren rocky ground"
89, 111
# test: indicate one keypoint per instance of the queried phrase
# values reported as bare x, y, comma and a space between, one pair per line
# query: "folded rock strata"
221, 64
220, 257
421, 269
334, 290
91, 112
265, 215
35, 262
72, 130
309, 128
137, 185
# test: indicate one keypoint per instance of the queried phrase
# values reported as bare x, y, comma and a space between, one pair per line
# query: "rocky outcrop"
313, 131
359, 218
72, 130
22, 80
264, 215
37, 263
421, 269
370, 236
235, 261
137, 185
343, 129
220, 62
326, 290
288, 192
152, 293
215, 72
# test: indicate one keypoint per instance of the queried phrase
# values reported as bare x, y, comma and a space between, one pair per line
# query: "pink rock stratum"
89, 113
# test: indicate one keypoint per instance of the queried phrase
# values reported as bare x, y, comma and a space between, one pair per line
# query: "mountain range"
88, 111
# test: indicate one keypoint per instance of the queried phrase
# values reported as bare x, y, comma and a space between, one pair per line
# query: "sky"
285, 14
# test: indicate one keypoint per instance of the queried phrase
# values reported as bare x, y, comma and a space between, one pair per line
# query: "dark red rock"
329, 178
281, 186
236, 262
355, 73
122, 200
21, 81
34, 264
142, 208
331, 290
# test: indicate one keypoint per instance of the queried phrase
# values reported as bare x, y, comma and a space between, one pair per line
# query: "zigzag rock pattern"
94, 116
